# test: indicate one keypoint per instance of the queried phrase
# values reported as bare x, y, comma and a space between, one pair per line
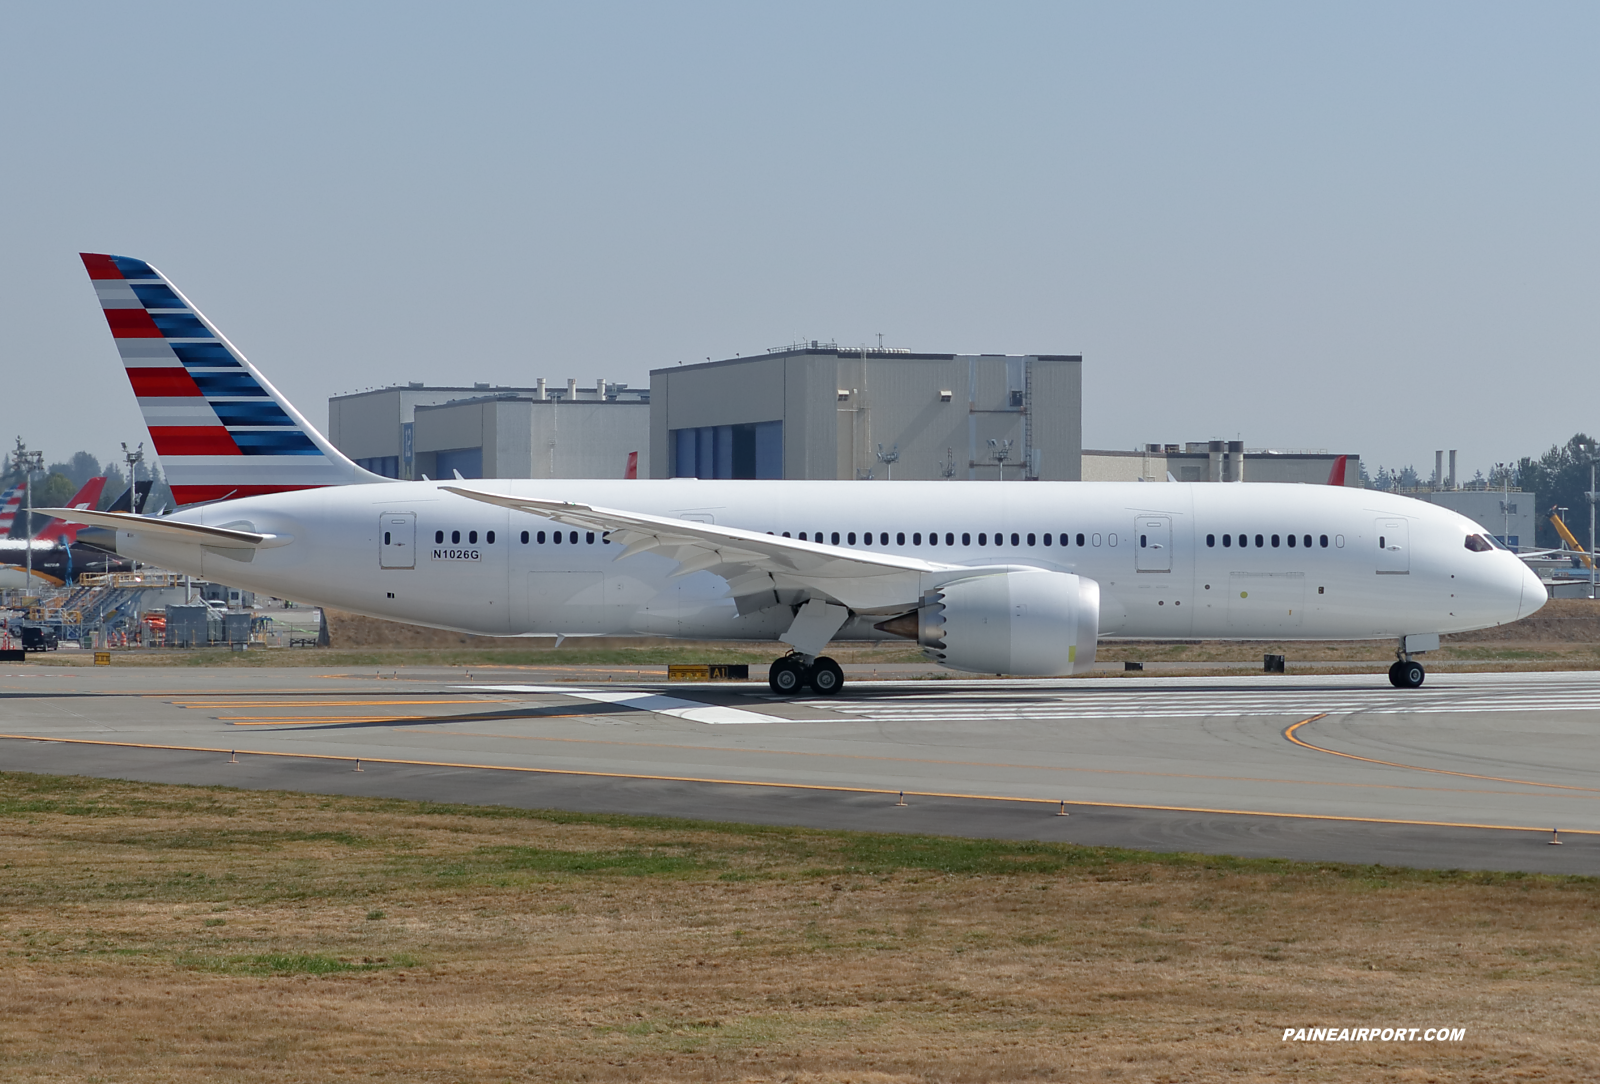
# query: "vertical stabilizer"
67, 533
221, 429
10, 501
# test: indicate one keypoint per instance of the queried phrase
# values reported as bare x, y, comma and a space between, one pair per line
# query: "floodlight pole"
1591, 495
30, 462
133, 459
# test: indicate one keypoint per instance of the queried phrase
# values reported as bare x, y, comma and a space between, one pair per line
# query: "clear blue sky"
1364, 227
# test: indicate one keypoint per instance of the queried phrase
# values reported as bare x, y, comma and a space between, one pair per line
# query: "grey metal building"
816, 410
545, 431
1511, 516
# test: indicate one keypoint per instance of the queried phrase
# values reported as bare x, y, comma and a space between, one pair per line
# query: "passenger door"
1394, 549
397, 540
1152, 537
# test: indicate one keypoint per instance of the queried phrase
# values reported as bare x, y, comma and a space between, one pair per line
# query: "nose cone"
1533, 592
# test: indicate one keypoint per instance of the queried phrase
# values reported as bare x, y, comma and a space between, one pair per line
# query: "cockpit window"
1478, 544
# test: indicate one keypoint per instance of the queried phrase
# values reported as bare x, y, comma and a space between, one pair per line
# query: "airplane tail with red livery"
67, 533
10, 501
221, 429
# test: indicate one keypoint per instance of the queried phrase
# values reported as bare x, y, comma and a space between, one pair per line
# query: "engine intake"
1027, 623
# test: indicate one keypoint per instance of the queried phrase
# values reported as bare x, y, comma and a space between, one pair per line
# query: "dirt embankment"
1567, 621
348, 630
1562, 620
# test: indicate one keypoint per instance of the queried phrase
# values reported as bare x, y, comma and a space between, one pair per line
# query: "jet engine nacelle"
1027, 622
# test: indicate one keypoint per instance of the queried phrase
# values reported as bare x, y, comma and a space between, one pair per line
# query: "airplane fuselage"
1173, 560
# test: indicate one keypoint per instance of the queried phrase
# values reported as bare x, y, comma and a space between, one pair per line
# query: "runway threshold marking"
1289, 733
942, 763
695, 711
1048, 802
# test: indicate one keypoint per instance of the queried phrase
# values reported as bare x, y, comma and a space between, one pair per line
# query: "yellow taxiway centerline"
1289, 733
799, 786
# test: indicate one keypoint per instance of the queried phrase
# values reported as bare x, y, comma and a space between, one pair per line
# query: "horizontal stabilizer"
170, 530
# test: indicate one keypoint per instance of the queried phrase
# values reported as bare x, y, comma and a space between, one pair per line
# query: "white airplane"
1017, 579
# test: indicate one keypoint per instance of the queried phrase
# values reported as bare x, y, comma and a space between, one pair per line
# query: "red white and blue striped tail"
10, 501
220, 428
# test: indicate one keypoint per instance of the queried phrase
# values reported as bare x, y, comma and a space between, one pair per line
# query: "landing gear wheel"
786, 676
1407, 675
826, 677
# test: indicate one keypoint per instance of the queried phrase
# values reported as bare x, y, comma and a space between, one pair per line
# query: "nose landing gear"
790, 673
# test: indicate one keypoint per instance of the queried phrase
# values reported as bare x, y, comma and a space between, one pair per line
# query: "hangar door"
1152, 551
397, 540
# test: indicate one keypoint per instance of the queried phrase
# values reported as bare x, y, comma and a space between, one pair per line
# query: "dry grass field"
155, 933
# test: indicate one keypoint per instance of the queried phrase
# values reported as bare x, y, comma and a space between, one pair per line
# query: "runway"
1471, 771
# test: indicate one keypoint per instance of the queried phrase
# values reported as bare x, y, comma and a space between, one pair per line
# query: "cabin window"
524, 538
555, 537
786, 534
1338, 541
1080, 539
1274, 541
1324, 541
1030, 540
1259, 542
1065, 540
488, 539
983, 539
589, 539
1014, 538
802, 536
541, 538
916, 539
1142, 541
1380, 542
455, 538
1227, 541
835, 538
933, 538
1211, 540
1047, 539
852, 538
1095, 539
900, 538
438, 537
472, 538
386, 541
1308, 541
1291, 541
883, 538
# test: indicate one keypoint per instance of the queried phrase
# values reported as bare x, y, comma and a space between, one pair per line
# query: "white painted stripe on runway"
692, 710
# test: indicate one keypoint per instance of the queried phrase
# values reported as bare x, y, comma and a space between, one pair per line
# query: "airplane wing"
195, 534
761, 569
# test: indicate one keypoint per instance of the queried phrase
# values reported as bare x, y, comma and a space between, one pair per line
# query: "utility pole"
1591, 494
31, 463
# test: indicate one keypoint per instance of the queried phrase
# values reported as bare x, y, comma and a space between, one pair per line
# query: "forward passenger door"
1152, 551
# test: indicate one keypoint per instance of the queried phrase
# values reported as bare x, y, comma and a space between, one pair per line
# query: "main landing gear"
790, 673
1406, 674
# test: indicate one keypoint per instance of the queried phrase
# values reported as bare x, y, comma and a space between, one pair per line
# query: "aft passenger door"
1152, 551
1394, 549
397, 540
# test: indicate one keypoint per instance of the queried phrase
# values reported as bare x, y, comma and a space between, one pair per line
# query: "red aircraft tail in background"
87, 497
633, 466
1336, 475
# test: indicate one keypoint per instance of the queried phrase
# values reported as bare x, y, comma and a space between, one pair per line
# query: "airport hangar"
810, 410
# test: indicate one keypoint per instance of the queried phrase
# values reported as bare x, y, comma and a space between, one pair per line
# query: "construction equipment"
1566, 536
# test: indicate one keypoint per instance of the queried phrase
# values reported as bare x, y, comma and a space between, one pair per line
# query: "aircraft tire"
786, 676
826, 677
1407, 675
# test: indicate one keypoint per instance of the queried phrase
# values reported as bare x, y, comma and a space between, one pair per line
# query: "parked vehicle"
39, 638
